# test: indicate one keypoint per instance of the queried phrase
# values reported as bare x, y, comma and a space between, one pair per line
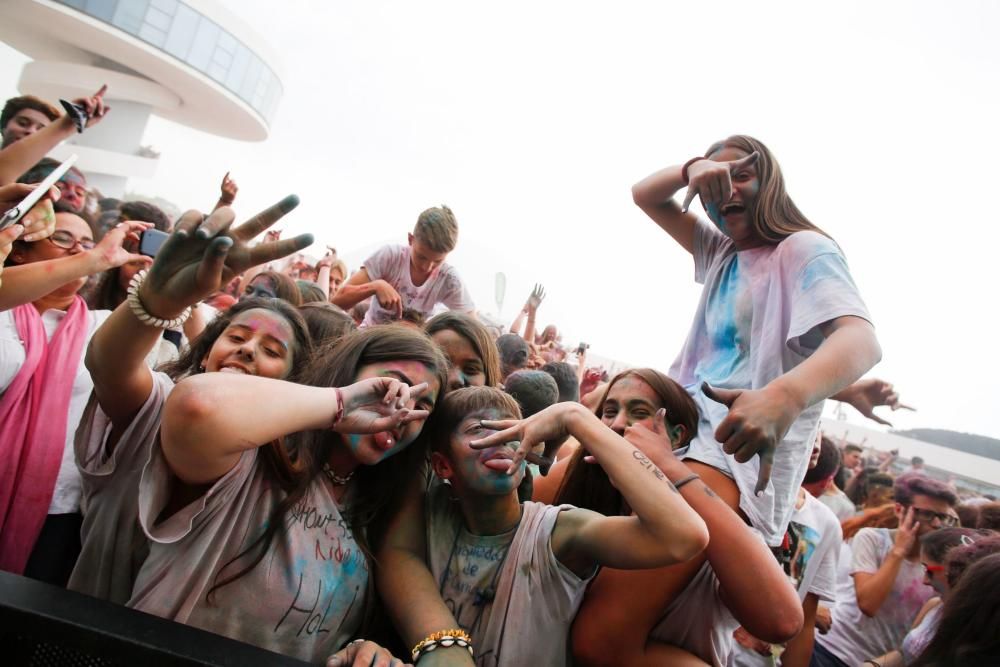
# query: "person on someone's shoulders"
413, 277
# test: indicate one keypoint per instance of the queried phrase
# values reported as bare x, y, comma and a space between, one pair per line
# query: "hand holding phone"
18, 211
151, 241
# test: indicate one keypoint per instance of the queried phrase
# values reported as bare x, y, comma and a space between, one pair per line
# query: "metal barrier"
46, 626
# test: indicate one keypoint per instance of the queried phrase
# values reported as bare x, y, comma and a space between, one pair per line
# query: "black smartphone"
151, 241
582, 347
77, 113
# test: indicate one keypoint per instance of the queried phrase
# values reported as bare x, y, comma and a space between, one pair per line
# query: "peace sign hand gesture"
713, 181
548, 427
379, 404
205, 253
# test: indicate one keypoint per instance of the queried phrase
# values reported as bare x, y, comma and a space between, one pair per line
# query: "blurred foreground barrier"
46, 626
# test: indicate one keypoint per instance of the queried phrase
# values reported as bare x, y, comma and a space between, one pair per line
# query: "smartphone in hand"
151, 241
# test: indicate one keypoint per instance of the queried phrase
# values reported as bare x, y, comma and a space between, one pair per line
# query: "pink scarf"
33, 415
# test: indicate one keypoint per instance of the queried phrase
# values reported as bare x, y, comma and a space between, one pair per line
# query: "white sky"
532, 120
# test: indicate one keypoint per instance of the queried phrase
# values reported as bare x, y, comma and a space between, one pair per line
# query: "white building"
192, 62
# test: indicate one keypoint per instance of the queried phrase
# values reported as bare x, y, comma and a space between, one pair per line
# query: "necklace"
336, 479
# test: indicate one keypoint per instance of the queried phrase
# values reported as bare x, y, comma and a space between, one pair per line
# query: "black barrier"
46, 626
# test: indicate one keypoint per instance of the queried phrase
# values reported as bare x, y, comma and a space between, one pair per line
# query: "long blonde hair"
775, 216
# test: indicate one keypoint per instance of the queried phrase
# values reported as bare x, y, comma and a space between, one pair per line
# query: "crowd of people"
359, 468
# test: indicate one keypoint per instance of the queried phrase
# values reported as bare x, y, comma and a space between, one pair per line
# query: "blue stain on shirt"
826, 266
727, 349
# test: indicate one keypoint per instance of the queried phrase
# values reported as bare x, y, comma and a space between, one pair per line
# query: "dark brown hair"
15, 105
479, 338
588, 486
937, 543
459, 404
917, 484
967, 633
775, 216
327, 323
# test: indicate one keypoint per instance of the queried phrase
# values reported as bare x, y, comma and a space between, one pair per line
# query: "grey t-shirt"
113, 544
305, 597
855, 637
508, 591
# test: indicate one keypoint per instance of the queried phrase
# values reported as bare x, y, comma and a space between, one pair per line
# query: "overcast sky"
533, 119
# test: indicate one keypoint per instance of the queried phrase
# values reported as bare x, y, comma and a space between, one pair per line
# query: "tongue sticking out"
500, 464
384, 440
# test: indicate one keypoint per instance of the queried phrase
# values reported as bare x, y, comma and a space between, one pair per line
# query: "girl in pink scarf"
39, 379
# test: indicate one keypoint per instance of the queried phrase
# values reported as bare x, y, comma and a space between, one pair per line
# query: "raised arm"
873, 589
205, 429
25, 154
26, 283
201, 255
227, 192
708, 179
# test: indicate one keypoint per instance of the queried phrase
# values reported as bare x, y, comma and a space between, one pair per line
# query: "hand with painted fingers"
94, 106
549, 428
378, 405
388, 297
906, 535
206, 252
713, 181
758, 420
360, 653
870, 393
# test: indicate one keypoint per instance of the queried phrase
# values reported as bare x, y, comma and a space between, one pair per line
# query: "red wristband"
684, 169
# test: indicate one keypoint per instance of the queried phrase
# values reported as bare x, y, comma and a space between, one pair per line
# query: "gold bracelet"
442, 639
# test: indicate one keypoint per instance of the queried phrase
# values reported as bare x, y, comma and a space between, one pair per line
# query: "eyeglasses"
929, 570
65, 240
927, 516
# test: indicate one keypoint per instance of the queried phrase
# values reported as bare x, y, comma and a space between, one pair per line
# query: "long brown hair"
587, 485
377, 488
967, 633
477, 335
775, 216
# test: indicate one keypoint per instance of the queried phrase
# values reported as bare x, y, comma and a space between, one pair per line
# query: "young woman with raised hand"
780, 325
128, 397
512, 574
186, 462
680, 614
44, 329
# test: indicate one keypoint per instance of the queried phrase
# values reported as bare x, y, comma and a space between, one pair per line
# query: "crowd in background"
200, 421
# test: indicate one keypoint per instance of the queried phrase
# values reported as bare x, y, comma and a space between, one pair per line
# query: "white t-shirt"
697, 620
815, 537
759, 318
391, 263
66, 497
855, 637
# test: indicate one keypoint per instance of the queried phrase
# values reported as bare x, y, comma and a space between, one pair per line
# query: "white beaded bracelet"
140, 311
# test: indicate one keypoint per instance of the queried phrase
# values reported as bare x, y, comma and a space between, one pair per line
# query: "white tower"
192, 62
